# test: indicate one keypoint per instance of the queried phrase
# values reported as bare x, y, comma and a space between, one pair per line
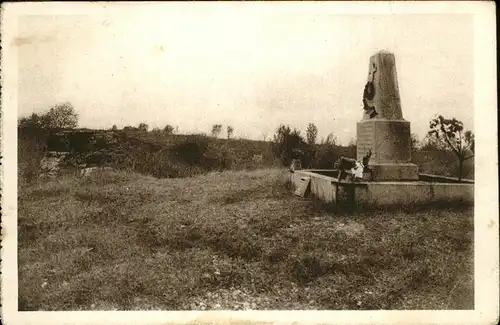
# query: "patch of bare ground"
231, 240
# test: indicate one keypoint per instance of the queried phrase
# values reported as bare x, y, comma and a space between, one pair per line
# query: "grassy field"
231, 240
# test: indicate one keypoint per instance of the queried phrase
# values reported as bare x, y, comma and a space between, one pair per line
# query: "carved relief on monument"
369, 94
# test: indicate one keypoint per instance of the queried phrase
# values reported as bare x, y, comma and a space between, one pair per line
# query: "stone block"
388, 140
410, 193
394, 172
390, 144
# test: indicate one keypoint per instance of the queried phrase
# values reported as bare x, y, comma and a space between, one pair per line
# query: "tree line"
287, 144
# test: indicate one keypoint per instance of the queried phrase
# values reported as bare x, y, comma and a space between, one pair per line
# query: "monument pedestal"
390, 144
394, 172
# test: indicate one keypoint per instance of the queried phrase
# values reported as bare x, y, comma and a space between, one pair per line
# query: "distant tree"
32, 146
129, 128
43, 127
156, 130
35, 134
288, 144
327, 153
352, 142
216, 129
168, 129
431, 143
33, 122
230, 131
331, 140
451, 132
143, 127
311, 133
61, 116
114, 128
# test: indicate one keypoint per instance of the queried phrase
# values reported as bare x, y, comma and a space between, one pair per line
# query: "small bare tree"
451, 132
230, 131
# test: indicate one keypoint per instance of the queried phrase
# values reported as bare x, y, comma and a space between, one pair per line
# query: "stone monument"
383, 131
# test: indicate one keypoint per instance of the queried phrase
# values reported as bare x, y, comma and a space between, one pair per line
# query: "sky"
253, 70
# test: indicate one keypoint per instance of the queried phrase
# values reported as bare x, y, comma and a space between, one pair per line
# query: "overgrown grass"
231, 240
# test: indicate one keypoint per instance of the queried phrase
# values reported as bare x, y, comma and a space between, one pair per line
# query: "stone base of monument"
393, 172
390, 144
427, 190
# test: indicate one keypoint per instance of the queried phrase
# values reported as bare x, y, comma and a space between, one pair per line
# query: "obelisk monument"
383, 131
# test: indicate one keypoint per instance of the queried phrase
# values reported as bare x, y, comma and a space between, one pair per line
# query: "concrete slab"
303, 187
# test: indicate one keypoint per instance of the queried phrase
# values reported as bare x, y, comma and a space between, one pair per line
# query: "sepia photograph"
228, 157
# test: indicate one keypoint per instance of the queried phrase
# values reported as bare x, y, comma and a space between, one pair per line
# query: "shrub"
191, 151
289, 145
32, 146
217, 157
325, 156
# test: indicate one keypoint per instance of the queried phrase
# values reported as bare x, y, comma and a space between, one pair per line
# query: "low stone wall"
379, 194
412, 193
323, 189
443, 179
